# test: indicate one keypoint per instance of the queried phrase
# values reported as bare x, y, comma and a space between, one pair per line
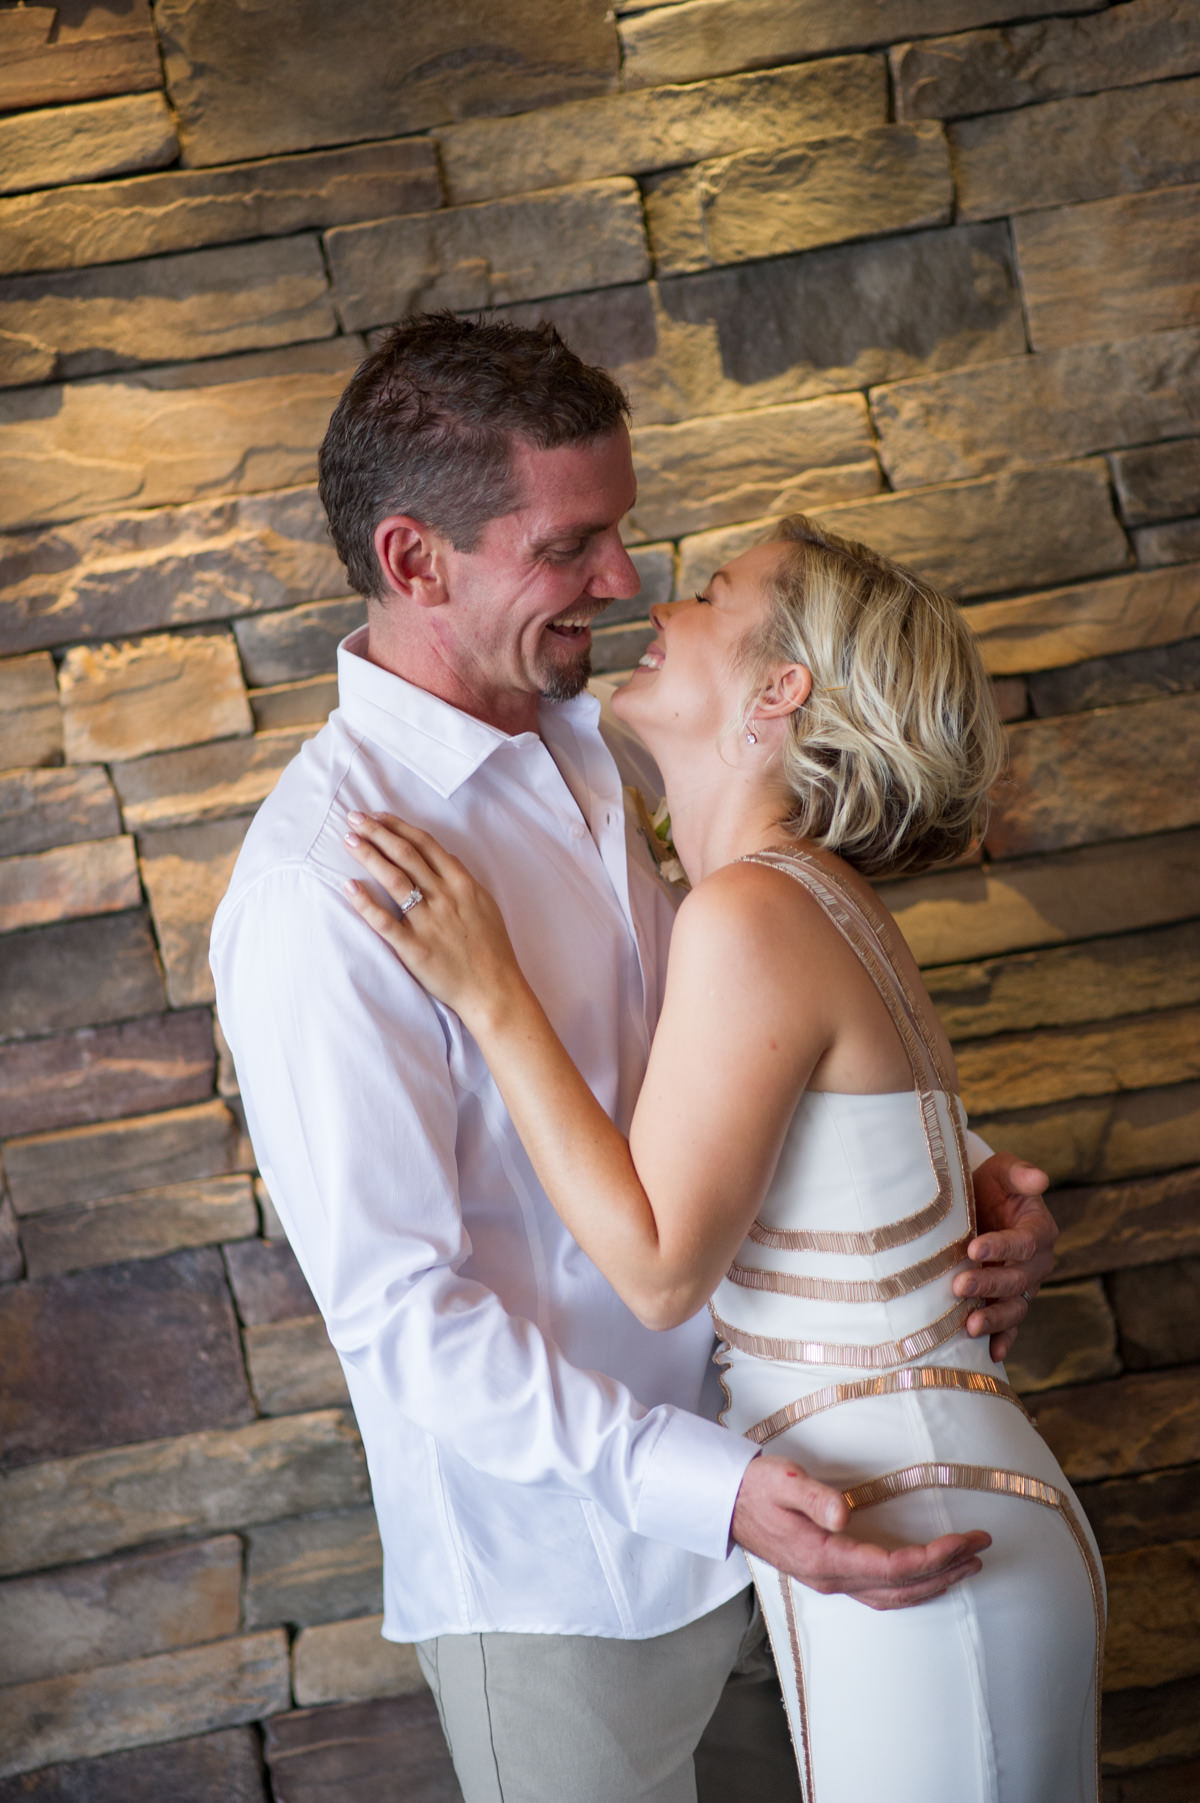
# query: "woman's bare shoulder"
753, 909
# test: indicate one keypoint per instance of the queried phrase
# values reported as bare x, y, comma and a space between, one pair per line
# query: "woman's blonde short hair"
890, 760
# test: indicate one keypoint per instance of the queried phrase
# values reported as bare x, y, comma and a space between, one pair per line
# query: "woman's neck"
718, 817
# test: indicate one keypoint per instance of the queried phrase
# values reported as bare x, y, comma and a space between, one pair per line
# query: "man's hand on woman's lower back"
798, 1525
1013, 1248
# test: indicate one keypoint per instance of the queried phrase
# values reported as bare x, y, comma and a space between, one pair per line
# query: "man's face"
522, 602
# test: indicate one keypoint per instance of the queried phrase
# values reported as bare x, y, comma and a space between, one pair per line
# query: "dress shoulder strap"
863, 934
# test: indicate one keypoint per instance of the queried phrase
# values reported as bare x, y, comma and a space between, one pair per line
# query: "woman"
820, 717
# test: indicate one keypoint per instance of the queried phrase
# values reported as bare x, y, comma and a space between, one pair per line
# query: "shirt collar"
438, 742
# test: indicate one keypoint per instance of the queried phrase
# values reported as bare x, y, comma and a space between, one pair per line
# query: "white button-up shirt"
540, 1462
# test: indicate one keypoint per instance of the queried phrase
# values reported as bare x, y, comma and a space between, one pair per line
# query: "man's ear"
787, 691
409, 556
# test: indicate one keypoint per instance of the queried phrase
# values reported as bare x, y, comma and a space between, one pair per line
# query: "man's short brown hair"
426, 426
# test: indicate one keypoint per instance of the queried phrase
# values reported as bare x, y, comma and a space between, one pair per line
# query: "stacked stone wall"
930, 271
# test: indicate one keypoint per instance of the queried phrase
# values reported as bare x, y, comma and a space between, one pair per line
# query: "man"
556, 1503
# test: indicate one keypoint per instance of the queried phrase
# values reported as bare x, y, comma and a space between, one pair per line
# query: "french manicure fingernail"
355, 818
353, 839
350, 887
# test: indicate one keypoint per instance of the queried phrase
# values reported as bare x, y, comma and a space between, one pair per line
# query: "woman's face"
688, 685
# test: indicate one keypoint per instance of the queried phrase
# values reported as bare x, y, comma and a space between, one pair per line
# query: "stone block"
121, 1353
1038, 409
1066, 1141
1126, 1513
765, 203
1117, 142
85, 143
266, 81
12, 1263
117, 1609
1100, 979
1158, 1313
1058, 1064
586, 236
268, 1284
1150, 1723
1176, 542
740, 465
96, 1073
1123, 1425
616, 649
203, 782
78, 973
204, 1212
158, 1698
1157, 482
297, 641
712, 37
1068, 1337
1110, 268
1115, 1225
1153, 1615
140, 695
1117, 681
1175, 1783
320, 1568
287, 706
825, 321
1152, 1130
121, 1158
41, 809
1016, 530
225, 1767
30, 723
75, 50
117, 574
985, 71
111, 222
145, 438
362, 1753
272, 1226
186, 870
213, 1482
1070, 779
350, 1662
98, 877
1101, 889
660, 128
204, 303
293, 1368
1104, 1138
1064, 626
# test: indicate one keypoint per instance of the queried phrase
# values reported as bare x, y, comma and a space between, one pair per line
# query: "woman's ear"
786, 693
409, 561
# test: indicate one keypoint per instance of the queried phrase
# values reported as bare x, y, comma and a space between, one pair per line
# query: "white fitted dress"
844, 1347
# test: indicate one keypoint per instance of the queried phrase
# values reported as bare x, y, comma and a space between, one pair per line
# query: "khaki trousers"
694, 1716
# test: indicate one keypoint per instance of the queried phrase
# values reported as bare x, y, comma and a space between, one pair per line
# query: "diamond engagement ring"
410, 901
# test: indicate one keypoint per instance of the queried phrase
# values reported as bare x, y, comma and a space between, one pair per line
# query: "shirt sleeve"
345, 1072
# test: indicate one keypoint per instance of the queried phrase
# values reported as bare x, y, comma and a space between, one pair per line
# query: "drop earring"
751, 736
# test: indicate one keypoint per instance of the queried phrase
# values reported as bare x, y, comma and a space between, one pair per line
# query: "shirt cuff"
688, 1493
977, 1150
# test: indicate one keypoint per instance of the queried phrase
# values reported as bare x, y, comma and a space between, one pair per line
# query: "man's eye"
566, 553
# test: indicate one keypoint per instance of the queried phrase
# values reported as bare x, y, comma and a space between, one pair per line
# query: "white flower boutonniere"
656, 830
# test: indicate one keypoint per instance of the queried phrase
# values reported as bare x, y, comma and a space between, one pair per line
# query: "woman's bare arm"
663, 1213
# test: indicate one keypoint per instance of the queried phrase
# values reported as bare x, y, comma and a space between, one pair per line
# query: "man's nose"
617, 577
